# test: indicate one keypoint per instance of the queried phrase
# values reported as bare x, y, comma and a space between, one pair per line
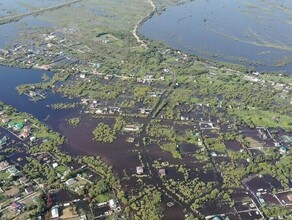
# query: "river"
253, 33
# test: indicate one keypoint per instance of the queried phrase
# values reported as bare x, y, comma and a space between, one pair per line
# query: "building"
283, 149
3, 141
139, 170
29, 190
55, 211
162, 172
5, 120
145, 111
24, 180
13, 171
113, 204
23, 135
70, 182
3, 165
131, 128
108, 77
17, 206
26, 129
289, 197
18, 126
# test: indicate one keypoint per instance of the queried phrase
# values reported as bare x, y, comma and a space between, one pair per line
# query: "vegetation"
74, 121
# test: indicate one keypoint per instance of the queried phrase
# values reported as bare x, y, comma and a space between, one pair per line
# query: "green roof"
19, 125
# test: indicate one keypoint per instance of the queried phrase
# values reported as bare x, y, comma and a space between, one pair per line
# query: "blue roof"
283, 148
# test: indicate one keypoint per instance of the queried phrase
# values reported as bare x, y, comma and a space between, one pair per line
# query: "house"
108, 77
29, 190
3, 165
113, 203
3, 141
41, 157
13, 171
24, 180
26, 129
17, 206
55, 211
23, 135
139, 170
55, 165
45, 66
200, 142
82, 76
289, 197
214, 154
283, 149
162, 172
32, 94
70, 182
32, 139
131, 128
145, 111
99, 111
262, 201
18, 126
5, 120
11, 124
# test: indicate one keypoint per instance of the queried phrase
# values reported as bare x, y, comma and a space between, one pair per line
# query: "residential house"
3, 165
55, 211
23, 135
145, 111
5, 120
55, 165
26, 129
283, 149
289, 197
29, 190
13, 171
17, 207
3, 141
24, 180
32, 139
108, 77
131, 128
18, 126
139, 170
113, 204
162, 172
70, 182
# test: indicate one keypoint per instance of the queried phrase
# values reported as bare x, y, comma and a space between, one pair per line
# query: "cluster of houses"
96, 107
140, 170
21, 129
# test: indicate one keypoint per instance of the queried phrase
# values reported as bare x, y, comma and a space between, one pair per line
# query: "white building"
55, 211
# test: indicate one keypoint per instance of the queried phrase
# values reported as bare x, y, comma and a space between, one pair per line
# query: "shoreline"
140, 22
250, 66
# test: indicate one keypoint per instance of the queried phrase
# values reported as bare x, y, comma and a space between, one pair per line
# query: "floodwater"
12, 77
255, 33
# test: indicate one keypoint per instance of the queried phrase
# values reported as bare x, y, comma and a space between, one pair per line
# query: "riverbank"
140, 22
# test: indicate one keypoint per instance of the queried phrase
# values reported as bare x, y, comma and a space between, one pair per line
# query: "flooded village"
145, 133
